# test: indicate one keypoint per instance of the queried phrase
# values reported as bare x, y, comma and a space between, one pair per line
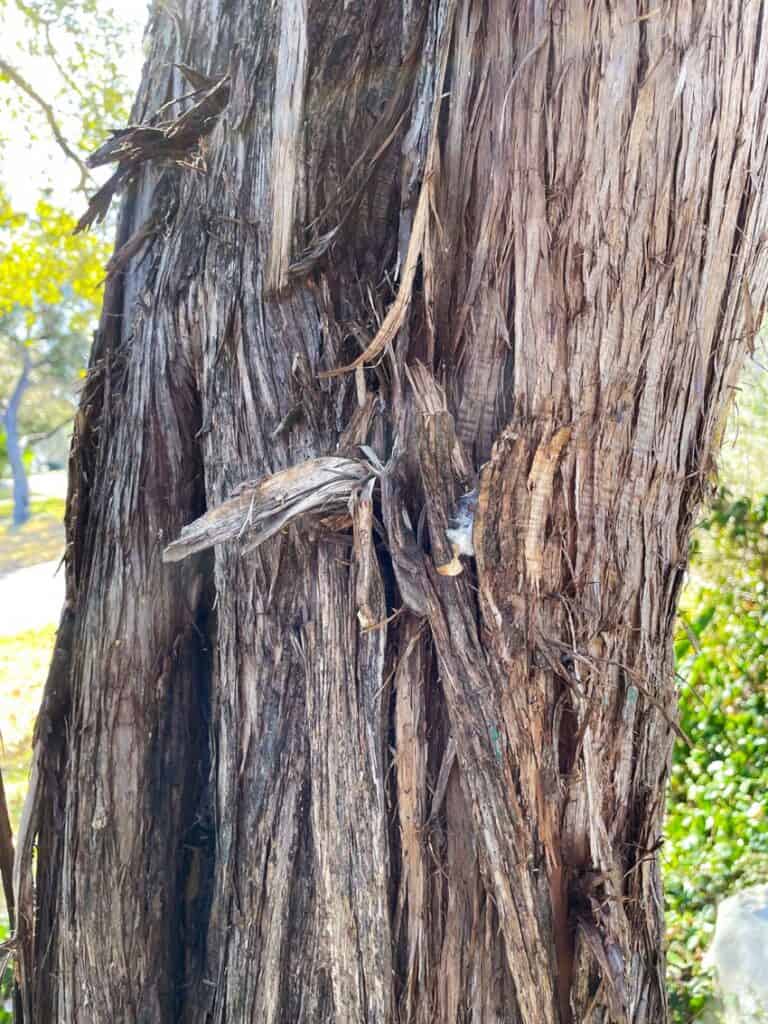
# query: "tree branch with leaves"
50, 287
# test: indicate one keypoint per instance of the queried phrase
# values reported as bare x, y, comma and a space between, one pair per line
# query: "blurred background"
68, 71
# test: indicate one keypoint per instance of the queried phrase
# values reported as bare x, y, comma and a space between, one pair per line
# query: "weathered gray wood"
310, 775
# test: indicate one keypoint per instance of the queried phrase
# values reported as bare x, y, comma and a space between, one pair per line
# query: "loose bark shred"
257, 511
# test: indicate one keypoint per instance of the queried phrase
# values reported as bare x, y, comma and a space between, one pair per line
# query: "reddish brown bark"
291, 765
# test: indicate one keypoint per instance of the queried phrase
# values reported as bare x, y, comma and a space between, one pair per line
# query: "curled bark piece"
368, 574
170, 139
262, 508
452, 568
437, 477
540, 484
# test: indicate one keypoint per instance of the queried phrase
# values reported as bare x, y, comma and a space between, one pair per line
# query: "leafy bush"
717, 827
6, 984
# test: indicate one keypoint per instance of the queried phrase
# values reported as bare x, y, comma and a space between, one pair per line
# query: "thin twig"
29, 90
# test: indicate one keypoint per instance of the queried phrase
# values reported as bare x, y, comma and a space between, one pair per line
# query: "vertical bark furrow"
132, 720
413, 927
345, 719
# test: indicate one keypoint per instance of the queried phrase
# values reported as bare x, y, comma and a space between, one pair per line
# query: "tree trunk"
353, 747
15, 457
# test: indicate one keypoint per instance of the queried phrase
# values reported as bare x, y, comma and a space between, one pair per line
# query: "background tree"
50, 285
65, 84
372, 258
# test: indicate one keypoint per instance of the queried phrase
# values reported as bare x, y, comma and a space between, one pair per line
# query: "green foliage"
64, 81
27, 456
43, 265
50, 293
73, 55
717, 827
6, 984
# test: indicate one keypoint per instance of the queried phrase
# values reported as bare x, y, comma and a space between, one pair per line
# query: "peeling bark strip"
287, 134
392, 746
258, 511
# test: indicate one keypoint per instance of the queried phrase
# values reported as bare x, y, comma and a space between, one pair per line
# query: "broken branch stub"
260, 509
169, 141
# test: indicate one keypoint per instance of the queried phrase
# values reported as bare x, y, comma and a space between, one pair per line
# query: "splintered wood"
258, 510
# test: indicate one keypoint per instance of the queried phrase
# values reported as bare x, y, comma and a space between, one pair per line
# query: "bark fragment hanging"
258, 510
172, 140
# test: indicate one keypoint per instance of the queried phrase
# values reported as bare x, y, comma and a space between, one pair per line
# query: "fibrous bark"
416, 263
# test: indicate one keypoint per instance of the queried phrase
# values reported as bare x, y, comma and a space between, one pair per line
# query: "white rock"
739, 952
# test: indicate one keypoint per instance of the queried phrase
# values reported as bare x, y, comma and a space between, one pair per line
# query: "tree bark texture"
323, 756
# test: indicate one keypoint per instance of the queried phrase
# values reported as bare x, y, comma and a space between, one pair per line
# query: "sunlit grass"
37, 507
39, 540
24, 660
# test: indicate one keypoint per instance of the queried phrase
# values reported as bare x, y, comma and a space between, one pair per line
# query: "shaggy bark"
293, 764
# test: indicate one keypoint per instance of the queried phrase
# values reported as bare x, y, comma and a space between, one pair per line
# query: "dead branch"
168, 141
260, 509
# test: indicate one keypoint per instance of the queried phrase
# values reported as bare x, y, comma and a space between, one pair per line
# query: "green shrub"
717, 826
6, 984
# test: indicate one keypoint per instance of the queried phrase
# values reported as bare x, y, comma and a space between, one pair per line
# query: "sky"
29, 164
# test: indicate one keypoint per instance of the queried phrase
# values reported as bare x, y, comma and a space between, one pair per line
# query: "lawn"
24, 662
24, 657
39, 540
